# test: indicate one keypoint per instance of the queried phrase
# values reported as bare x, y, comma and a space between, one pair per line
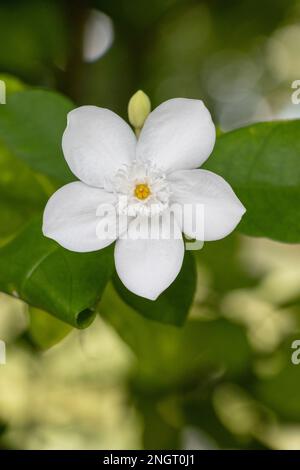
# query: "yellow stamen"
142, 191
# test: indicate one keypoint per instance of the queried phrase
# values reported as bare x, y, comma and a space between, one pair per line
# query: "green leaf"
45, 330
173, 304
31, 127
262, 164
45, 275
23, 193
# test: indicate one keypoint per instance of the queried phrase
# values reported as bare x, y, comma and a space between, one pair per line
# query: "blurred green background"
224, 380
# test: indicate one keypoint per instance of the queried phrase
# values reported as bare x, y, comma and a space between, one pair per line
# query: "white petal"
70, 217
222, 209
96, 143
148, 266
178, 134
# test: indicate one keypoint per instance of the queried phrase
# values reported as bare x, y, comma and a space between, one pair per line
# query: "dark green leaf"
23, 192
172, 306
31, 127
262, 163
45, 275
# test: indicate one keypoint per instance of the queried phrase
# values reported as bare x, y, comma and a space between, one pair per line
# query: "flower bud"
139, 107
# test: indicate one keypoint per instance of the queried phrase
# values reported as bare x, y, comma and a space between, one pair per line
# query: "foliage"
211, 356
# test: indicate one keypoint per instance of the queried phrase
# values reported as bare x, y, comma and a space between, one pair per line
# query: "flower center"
142, 191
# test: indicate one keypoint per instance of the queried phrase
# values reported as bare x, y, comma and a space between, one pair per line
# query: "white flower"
140, 178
